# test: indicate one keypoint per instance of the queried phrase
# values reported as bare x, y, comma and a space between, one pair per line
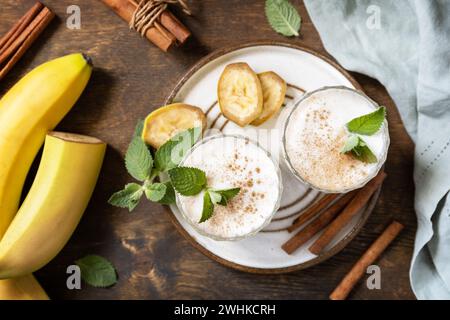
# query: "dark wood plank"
132, 78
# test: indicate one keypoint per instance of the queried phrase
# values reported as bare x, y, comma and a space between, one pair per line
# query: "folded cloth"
406, 46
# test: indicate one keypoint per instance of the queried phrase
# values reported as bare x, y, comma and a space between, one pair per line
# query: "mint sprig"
97, 271
368, 125
186, 181
216, 197
226, 195
358, 148
141, 166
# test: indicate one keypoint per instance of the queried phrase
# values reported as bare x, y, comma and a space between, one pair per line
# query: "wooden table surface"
131, 78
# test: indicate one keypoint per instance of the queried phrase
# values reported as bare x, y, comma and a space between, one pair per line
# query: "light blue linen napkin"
406, 46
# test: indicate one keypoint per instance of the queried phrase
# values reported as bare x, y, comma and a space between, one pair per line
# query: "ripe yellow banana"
59, 195
28, 111
22, 288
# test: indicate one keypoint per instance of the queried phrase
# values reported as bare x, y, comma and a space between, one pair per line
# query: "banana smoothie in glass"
315, 134
232, 161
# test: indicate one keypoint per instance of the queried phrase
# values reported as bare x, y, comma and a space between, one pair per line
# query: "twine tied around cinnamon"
148, 11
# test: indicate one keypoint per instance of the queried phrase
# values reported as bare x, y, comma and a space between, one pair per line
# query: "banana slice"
165, 122
274, 91
240, 94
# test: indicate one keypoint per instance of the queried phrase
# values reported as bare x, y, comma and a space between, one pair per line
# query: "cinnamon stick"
23, 41
317, 225
375, 250
357, 203
125, 10
23, 35
165, 31
175, 26
19, 26
313, 210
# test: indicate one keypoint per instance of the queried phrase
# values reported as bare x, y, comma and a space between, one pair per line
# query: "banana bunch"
31, 236
249, 98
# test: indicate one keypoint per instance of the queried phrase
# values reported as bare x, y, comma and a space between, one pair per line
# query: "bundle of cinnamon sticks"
331, 214
166, 32
20, 37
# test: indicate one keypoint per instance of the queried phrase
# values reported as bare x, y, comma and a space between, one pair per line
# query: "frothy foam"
316, 134
234, 162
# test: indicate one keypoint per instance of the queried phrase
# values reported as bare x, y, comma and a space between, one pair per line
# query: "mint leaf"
227, 195
170, 154
208, 208
360, 150
352, 142
215, 197
155, 191
368, 124
139, 128
138, 159
169, 196
363, 153
187, 181
128, 197
283, 17
97, 271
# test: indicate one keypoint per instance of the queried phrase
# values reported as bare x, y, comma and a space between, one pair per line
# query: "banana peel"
59, 195
22, 288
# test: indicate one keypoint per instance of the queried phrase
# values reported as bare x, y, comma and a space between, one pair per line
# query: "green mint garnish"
352, 142
169, 196
138, 159
358, 148
208, 207
283, 17
187, 181
97, 271
363, 153
139, 128
368, 124
128, 197
216, 197
170, 154
155, 191
227, 195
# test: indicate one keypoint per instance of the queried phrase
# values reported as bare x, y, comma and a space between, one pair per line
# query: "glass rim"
380, 163
277, 203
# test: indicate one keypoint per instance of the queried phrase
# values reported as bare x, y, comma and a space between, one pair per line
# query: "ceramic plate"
303, 70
